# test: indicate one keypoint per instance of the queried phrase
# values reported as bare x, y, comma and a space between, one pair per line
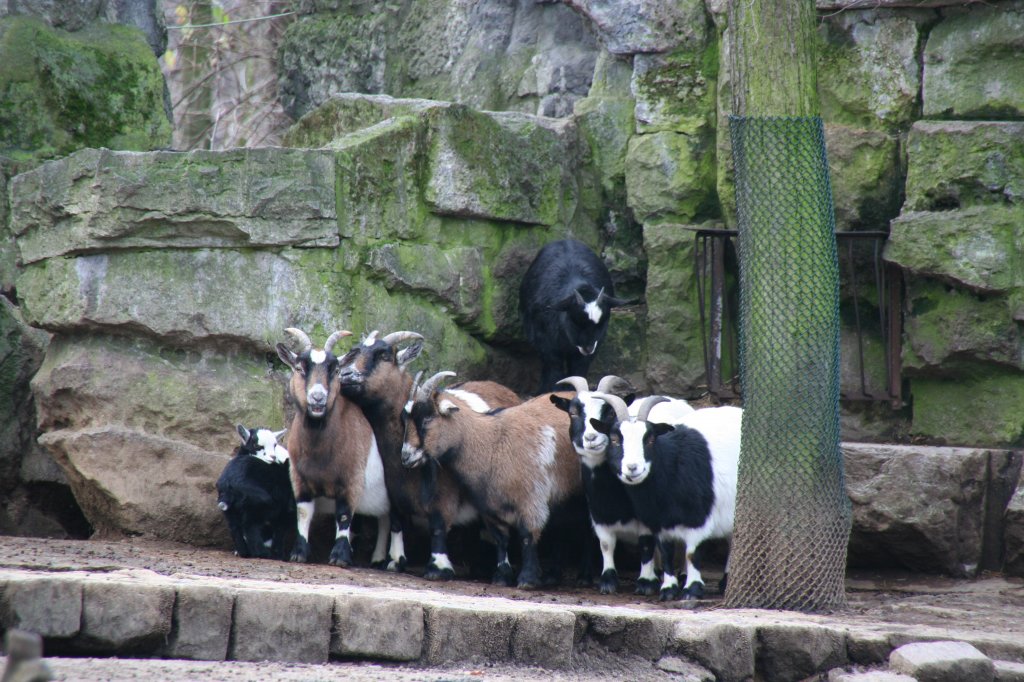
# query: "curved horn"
617, 403
415, 385
613, 384
333, 339
397, 337
371, 338
300, 336
579, 384
428, 386
646, 404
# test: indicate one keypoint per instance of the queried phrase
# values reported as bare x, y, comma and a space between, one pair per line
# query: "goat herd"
378, 441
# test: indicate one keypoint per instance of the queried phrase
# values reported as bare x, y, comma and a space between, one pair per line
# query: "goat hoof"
694, 591
503, 576
396, 566
646, 587
341, 554
669, 594
609, 582
381, 565
438, 574
299, 558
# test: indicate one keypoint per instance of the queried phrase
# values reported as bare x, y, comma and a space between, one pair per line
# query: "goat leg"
341, 554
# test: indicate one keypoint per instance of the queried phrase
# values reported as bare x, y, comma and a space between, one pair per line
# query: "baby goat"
516, 463
255, 494
681, 479
333, 450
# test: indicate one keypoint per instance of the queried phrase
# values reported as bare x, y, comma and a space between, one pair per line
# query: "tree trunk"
792, 512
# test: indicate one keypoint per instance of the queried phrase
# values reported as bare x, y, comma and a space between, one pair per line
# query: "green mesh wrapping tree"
792, 512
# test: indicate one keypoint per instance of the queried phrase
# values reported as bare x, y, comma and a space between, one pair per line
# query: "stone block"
868, 67
868, 648
281, 626
456, 633
1009, 671
644, 636
942, 662
124, 618
922, 508
50, 607
501, 166
973, 66
675, 364
544, 639
962, 164
971, 248
676, 91
864, 169
1013, 539
348, 112
727, 650
202, 623
946, 407
840, 675
788, 653
375, 628
65, 91
98, 200
636, 27
670, 176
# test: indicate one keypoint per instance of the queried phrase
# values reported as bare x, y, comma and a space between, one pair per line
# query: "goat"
681, 479
516, 463
255, 493
565, 300
333, 451
373, 376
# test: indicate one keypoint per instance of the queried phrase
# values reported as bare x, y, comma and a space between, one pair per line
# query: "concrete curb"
142, 613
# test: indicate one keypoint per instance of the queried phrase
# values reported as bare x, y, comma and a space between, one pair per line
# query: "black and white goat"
333, 451
517, 465
565, 300
373, 375
255, 493
681, 479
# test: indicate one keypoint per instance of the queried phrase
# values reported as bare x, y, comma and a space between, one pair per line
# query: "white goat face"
268, 449
592, 443
634, 467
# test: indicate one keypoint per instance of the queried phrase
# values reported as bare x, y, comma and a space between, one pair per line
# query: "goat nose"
633, 468
317, 394
590, 437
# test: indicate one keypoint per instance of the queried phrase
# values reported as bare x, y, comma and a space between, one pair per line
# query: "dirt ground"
987, 604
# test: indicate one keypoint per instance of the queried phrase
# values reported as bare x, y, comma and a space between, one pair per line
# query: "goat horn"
428, 386
617, 403
397, 337
415, 385
614, 384
578, 383
333, 339
646, 404
371, 338
300, 336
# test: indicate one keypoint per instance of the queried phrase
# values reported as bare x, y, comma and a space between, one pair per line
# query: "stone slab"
125, 618
202, 623
371, 628
273, 625
48, 606
942, 662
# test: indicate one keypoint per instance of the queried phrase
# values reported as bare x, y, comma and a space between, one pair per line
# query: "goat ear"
446, 407
613, 301
660, 429
566, 303
601, 427
278, 434
560, 402
289, 358
410, 353
629, 398
243, 433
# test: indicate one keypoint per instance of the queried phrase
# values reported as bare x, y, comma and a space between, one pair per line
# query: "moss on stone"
100, 87
982, 409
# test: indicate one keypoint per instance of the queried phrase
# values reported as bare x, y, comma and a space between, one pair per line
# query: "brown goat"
373, 376
516, 464
333, 450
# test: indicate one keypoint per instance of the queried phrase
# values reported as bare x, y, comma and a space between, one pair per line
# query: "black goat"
255, 493
565, 301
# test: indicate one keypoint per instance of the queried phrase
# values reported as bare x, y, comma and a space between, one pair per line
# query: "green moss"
984, 409
60, 92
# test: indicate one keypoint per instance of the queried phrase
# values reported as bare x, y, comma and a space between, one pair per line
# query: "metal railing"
719, 323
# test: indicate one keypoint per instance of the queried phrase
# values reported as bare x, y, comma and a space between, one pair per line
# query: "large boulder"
973, 65
926, 509
636, 27
524, 56
98, 87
